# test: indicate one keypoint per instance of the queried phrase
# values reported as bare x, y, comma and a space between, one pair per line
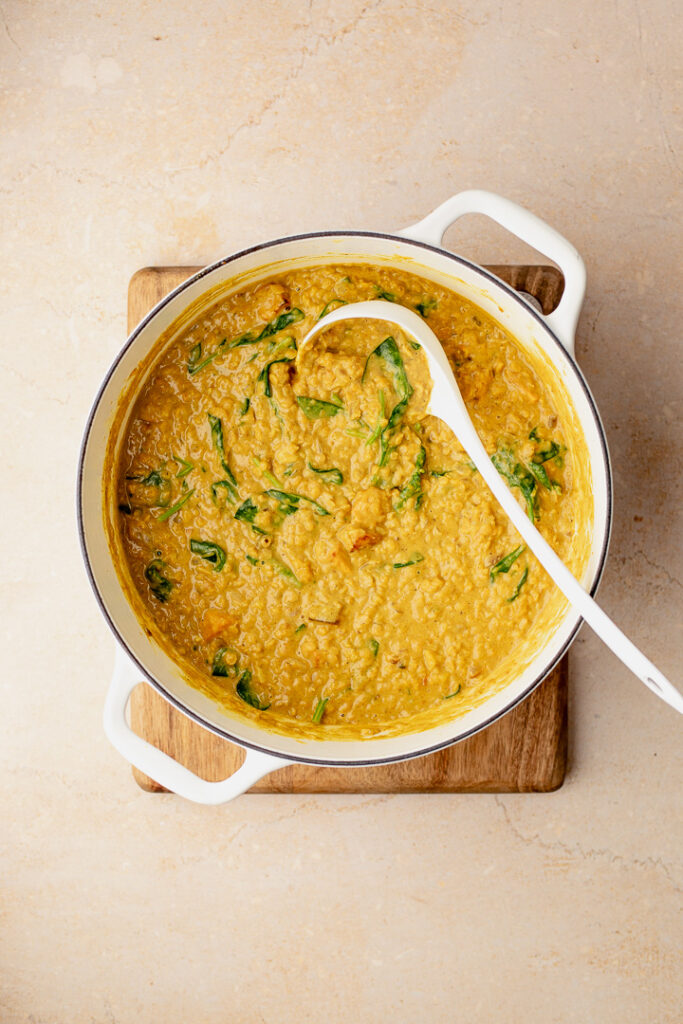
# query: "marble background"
148, 132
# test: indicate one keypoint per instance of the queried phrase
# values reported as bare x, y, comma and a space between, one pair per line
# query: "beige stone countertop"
136, 133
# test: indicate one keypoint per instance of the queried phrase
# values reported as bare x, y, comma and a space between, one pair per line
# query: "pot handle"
530, 229
159, 766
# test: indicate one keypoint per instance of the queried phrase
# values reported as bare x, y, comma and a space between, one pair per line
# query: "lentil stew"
317, 552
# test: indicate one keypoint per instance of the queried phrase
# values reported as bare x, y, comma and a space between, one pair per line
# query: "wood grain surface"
524, 752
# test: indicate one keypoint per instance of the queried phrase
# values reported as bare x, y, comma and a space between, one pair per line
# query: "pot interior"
171, 316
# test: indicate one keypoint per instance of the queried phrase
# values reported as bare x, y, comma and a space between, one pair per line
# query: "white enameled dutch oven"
138, 657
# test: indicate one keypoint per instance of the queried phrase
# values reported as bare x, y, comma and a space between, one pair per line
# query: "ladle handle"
446, 402
597, 619
530, 229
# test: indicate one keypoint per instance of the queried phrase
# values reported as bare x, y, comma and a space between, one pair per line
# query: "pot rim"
403, 240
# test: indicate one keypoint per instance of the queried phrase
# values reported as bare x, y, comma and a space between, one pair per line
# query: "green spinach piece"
454, 694
157, 480
186, 466
286, 572
264, 375
328, 307
275, 348
288, 502
278, 567
159, 583
425, 308
292, 316
209, 551
247, 513
217, 438
414, 560
387, 296
244, 408
219, 666
522, 581
506, 563
380, 425
362, 430
330, 476
374, 646
245, 692
195, 362
153, 479
223, 486
194, 356
385, 449
551, 449
517, 475
319, 709
316, 408
397, 414
175, 508
271, 478
414, 486
538, 470
389, 352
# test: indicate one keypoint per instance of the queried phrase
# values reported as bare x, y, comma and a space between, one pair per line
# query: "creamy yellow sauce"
315, 550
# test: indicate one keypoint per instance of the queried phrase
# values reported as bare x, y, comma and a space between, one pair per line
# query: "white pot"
138, 657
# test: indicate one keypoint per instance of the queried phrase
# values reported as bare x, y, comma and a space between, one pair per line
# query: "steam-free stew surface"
312, 546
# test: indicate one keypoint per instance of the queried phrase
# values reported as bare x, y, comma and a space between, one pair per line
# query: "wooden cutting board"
524, 752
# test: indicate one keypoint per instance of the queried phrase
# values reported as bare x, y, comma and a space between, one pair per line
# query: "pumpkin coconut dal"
314, 550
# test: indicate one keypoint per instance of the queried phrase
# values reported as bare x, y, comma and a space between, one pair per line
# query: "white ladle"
447, 403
